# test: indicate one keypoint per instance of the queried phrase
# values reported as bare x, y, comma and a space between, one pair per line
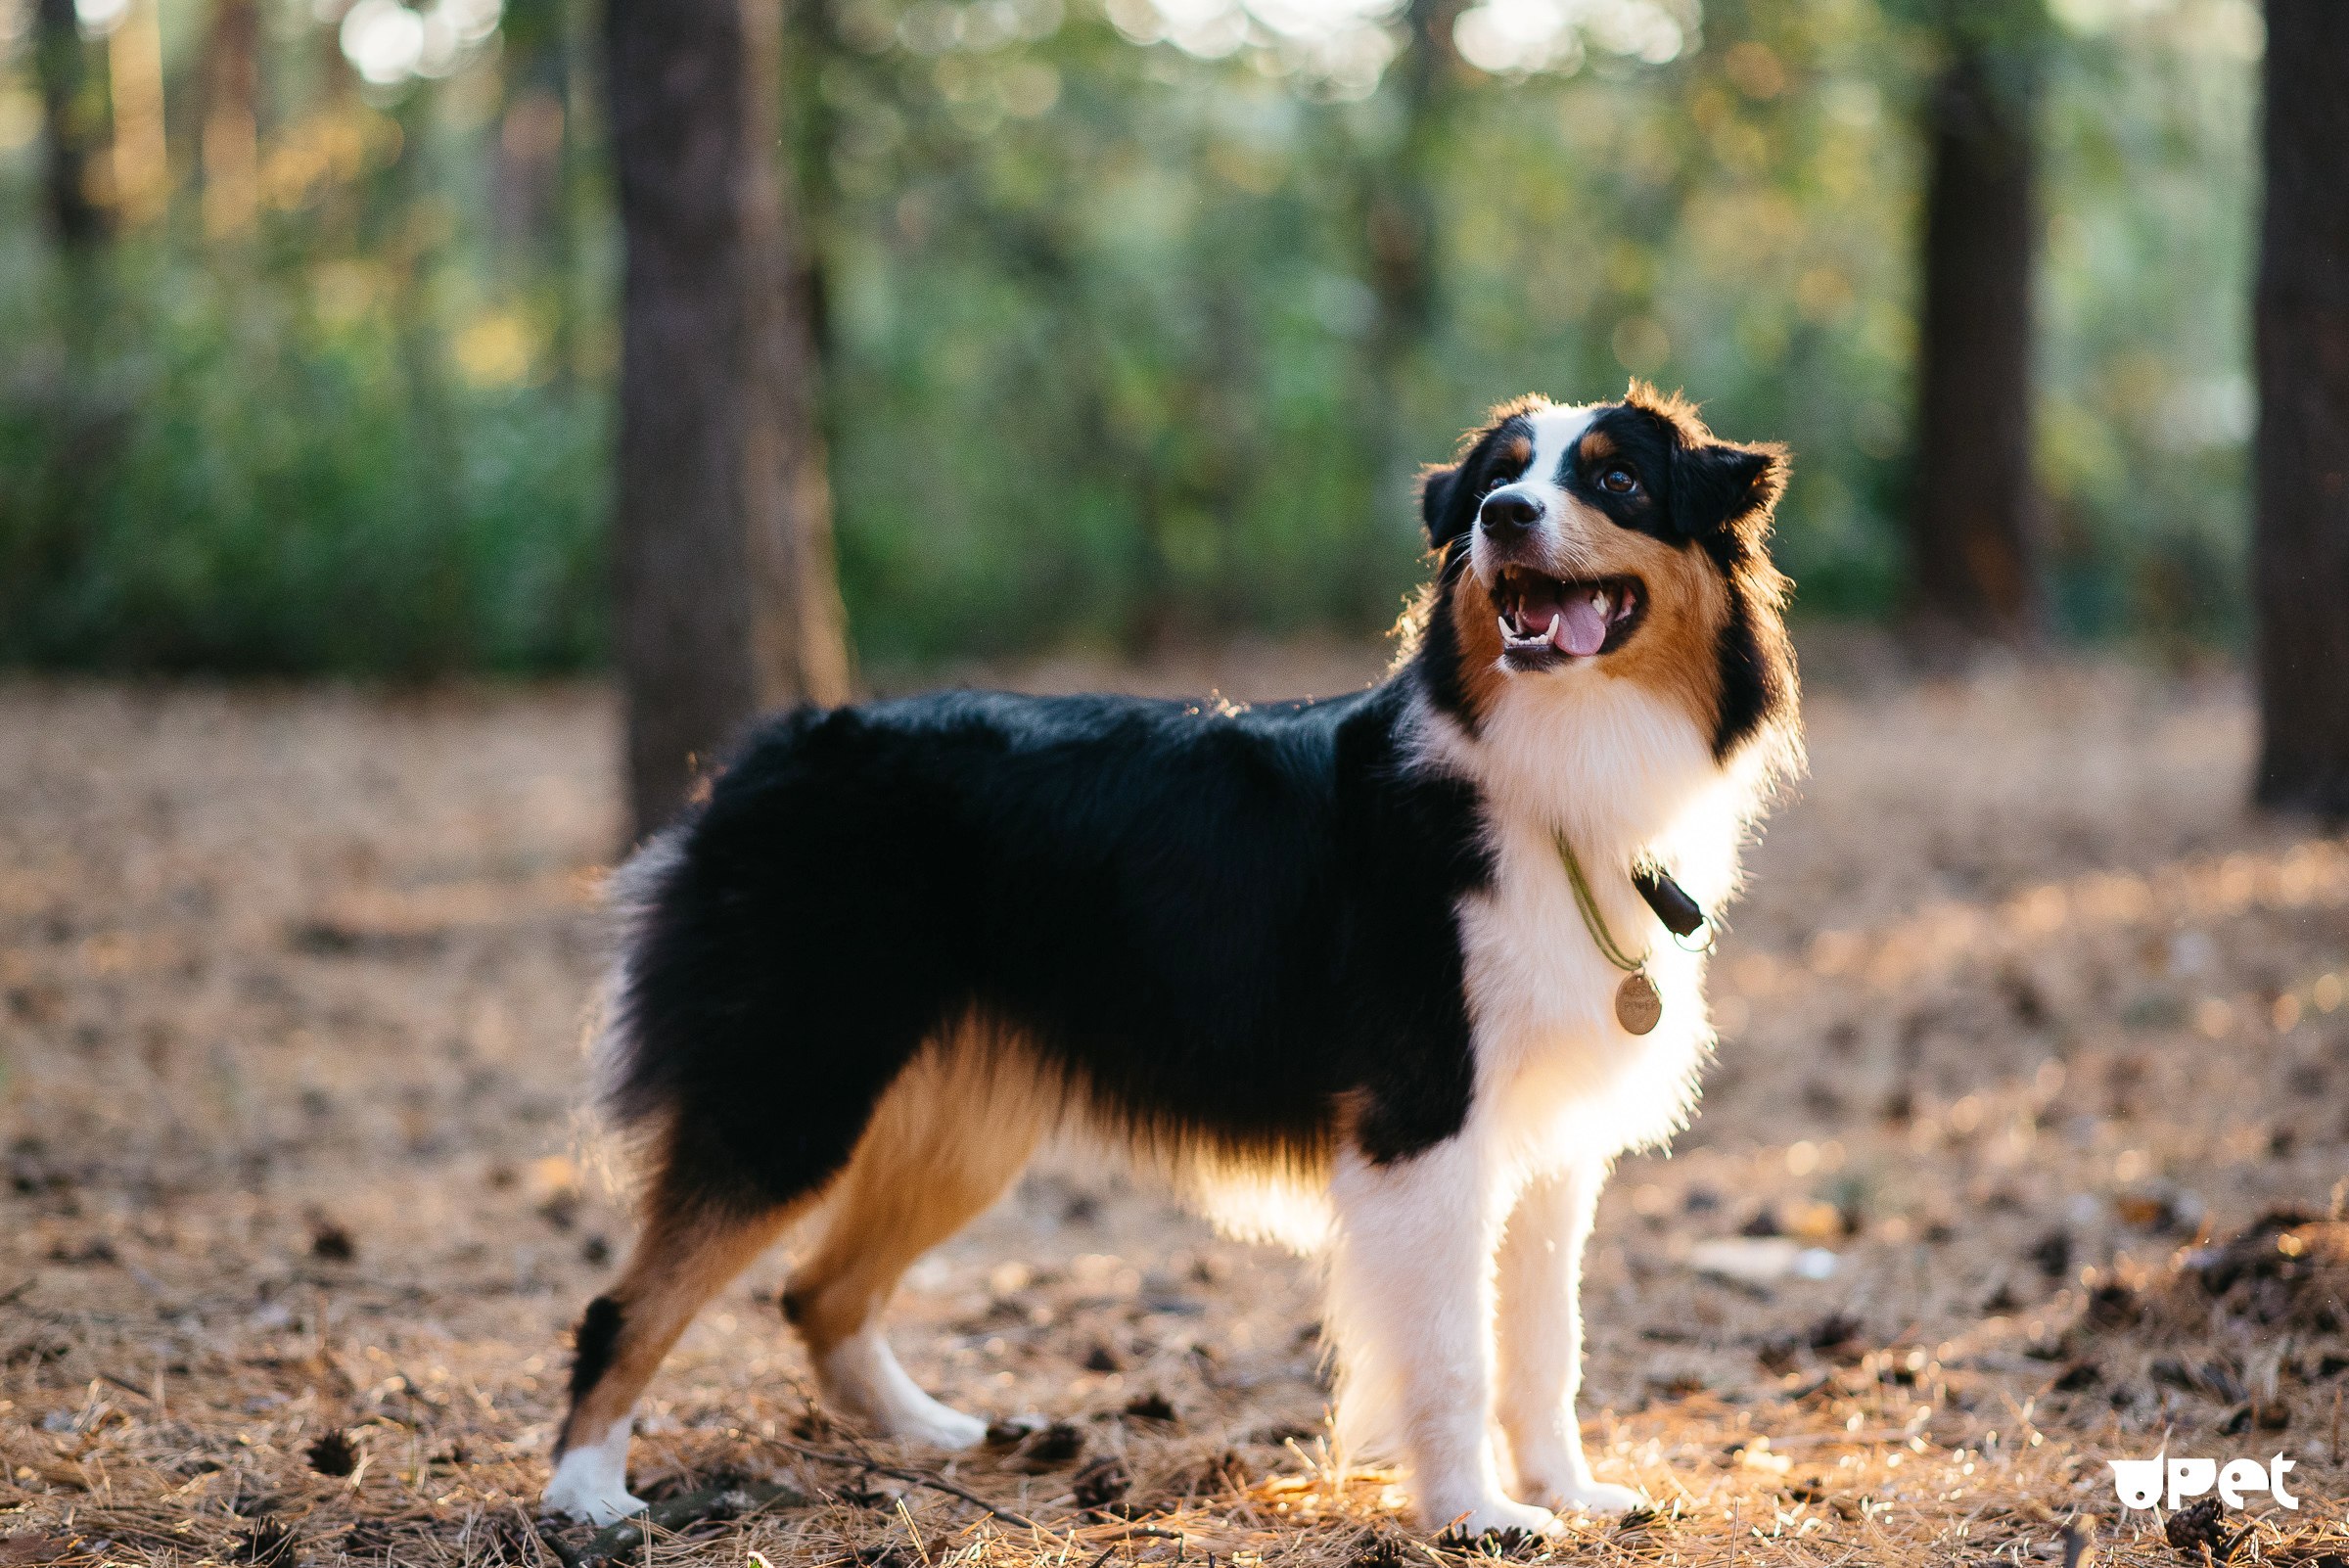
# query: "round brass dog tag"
1638, 1005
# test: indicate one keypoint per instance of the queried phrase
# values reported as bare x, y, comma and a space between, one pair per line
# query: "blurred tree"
1972, 521
2301, 450
1107, 263
139, 169
526, 190
539, 209
1401, 235
68, 117
724, 601
799, 632
811, 138
232, 95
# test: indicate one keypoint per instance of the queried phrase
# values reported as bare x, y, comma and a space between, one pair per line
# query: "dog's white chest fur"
1620, 773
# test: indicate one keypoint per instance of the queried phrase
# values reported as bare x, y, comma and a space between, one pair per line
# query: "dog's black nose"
1508, 512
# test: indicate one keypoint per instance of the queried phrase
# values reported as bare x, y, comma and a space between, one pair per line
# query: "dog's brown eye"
1618, 481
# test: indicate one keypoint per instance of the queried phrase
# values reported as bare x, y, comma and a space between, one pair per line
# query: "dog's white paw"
1588, 1496
592, 1481
1492, 1516
940, 1426
598, 1508
576, 1492
862, 1379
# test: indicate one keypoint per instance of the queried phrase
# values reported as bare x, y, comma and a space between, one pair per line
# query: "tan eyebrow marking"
1517, 451
1597, 444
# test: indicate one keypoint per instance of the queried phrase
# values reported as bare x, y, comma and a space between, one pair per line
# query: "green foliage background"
1109, 360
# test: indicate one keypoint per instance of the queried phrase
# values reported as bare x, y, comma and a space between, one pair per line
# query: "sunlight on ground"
2024, 1019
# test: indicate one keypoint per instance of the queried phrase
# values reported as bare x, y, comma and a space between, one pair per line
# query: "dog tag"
1639, 1007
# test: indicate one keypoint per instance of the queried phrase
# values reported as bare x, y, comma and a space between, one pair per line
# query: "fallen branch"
614, 1541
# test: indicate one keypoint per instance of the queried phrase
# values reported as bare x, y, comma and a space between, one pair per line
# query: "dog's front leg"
1541, 1334
1411, 1306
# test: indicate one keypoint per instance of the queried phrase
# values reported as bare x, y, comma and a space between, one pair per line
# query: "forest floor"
2024, 1019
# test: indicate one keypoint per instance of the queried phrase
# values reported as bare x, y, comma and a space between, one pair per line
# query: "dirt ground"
2023, 1019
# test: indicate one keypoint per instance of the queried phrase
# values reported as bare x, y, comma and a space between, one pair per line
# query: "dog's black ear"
1439, 494
1719, 485
1716, 484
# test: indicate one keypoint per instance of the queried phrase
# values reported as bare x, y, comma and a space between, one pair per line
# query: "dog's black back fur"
1236, 925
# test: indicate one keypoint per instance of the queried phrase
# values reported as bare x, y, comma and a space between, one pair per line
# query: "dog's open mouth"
1578, 619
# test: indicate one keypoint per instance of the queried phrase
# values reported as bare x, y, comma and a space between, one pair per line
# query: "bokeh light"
1522, 36
388, 42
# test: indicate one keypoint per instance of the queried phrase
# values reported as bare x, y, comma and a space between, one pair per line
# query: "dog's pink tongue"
1581, 628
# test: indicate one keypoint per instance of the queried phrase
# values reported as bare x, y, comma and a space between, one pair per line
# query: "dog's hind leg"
687, 1250
948, 1138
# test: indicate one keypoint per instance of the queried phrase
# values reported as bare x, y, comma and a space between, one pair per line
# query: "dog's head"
1616, 540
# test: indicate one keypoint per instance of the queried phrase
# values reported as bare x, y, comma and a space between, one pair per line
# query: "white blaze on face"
1548, 601
1555, 429
1555, 432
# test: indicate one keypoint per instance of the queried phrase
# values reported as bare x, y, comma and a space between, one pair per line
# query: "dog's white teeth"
1516, 628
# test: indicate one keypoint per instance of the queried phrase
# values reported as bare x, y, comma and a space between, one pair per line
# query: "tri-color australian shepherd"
1323, 964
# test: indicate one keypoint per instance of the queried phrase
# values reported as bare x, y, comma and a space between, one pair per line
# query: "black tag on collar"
1682, 915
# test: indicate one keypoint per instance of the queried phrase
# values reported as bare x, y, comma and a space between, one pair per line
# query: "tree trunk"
1399, 237
232, 93
527, 194
2301, 450
799, 648
810, 132
68, 119
1973, 520
724, 603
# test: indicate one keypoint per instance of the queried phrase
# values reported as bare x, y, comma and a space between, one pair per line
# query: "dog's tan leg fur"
684, 1255
943, 1143
676, 1268
948, 1137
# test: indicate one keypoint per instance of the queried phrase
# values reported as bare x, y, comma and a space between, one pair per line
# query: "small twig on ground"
539, 1537
126, 1385
865, 1461
913, 1533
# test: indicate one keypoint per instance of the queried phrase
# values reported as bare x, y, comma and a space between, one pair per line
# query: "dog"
1324, 964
